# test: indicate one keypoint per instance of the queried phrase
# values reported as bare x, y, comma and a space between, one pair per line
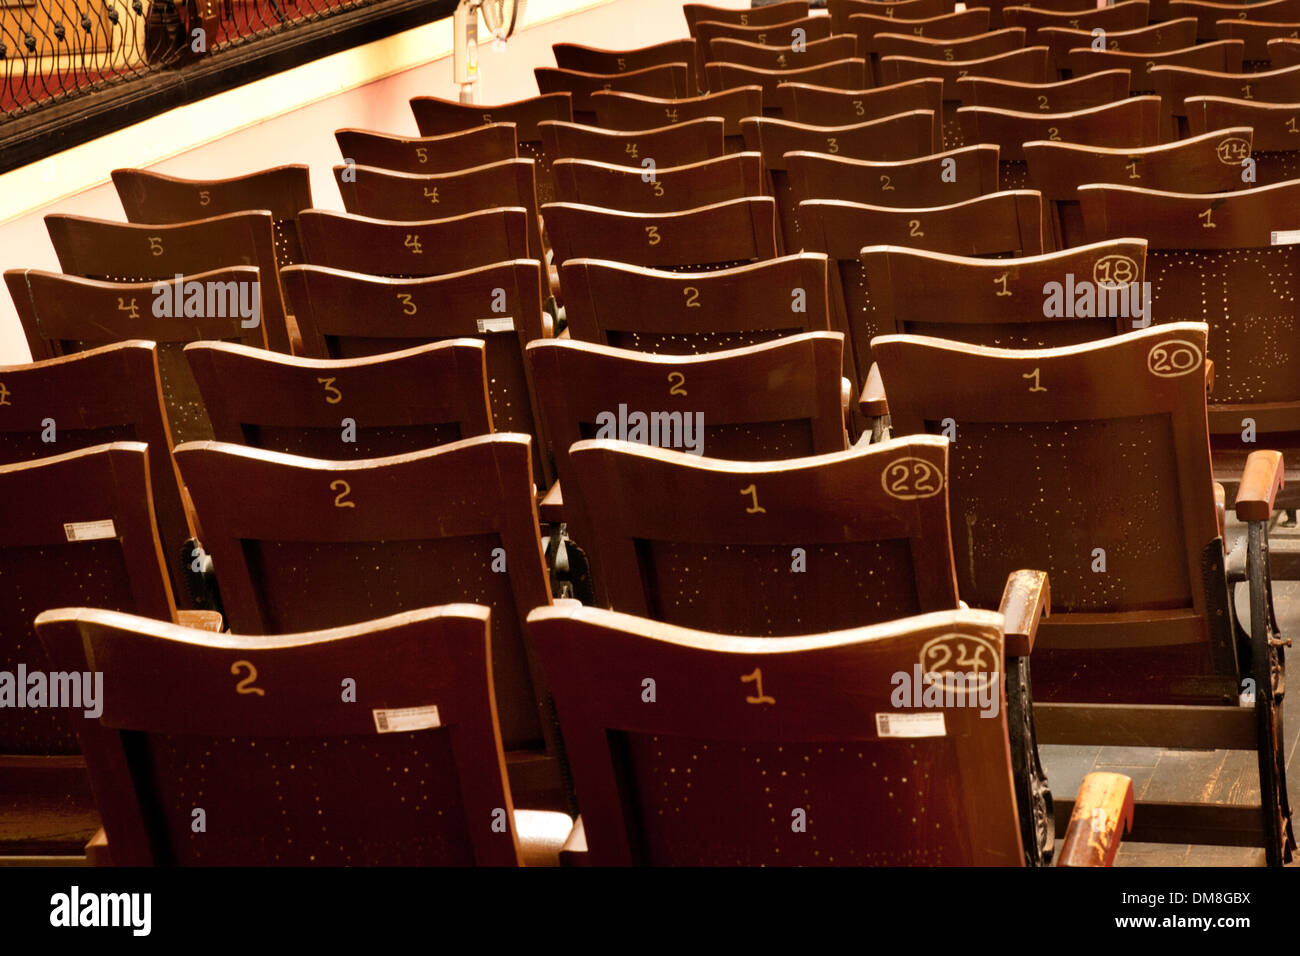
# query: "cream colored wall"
291, 118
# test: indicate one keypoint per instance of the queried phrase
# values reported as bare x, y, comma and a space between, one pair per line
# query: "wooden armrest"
574, 851
203, 620
872, 402
1209, 376
565, 334
1103, 813
572, 604
1221, 508
1026, 600
97, 849
846, 396
551, 508
553, 281
548, 325
1261, 480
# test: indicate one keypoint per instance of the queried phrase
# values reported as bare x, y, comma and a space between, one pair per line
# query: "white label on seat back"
504, 324
1287, 237
911, 725
90, 530
401, 719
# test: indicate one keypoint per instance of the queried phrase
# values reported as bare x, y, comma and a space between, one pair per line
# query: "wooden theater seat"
695, 13
690, 141
1064, 96
369, 407
1208, 163
1220, 258
1208, 15
1143, 647
842, 12
784, 34
780, 399
674, 188
431, 247
822, 106
106, 394
347, 315
847, 74
285, 191
1126, 15
132, 252
1222, 56
1156, 38
997, 8
946, 26
976, 46
464, 149
78, 529
436, 117
251, 729
1256, 35
384, 535
631, 111
789, 57
710, 237
1272, 145
953, 176
808, 769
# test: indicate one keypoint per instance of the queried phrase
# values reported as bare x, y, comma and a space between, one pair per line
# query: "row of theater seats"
443, 396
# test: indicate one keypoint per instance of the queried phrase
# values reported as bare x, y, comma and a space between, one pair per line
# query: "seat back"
630, 307
710, 237
712, 777
254, 726
150, 197
464, 149
668, 79
631, 111
1282, 52
101, 395
765, 547
411, 197
996, 7
690, 141
1208, 163
345, 408
431, 247
765, 57
696, 13
903, 136
1065, 96
435, 117
65, 315
998, 224
380, 536
1176, 84
1002, 302
847, 74
132, 252
822, 106
1272, 144
1199, 269
675, 188
1133, 122
79, 529
866, 26
347, 315
969, 47
760, 402
929, 181
585, 59
1129, 624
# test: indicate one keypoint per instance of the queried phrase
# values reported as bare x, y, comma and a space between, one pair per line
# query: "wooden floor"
1221, 776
